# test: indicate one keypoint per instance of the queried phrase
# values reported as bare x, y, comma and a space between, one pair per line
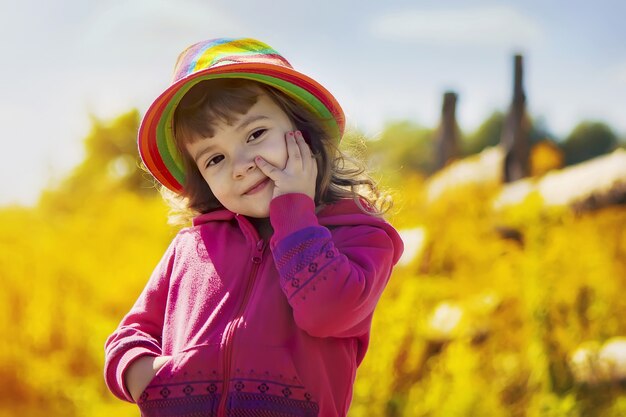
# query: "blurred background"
498, 127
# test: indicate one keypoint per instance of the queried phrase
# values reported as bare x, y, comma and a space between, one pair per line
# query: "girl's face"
226, 160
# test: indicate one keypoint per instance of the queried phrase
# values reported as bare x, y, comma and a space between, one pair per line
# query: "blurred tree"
588, 140
486, 135
489, 133
540, 132
111, 163
403, 146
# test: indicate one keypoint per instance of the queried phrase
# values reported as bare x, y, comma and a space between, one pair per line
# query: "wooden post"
515, 135
448, 133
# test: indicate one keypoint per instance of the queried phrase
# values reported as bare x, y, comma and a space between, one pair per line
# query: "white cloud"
499, 26
152, 26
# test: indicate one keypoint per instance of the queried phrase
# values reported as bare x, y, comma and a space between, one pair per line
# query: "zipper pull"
260, 245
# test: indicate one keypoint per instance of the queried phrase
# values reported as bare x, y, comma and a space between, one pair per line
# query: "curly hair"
210, 102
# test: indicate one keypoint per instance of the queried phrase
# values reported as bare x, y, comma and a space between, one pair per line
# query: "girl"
263, 306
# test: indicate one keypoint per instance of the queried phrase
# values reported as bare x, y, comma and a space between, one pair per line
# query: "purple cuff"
290, 213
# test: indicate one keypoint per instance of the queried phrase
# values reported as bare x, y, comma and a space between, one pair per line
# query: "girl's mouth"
258, 187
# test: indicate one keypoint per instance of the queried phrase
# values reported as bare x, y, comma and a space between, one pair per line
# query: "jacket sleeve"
332, 281
139, 333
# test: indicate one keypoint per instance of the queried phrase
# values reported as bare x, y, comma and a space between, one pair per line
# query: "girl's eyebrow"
250, 120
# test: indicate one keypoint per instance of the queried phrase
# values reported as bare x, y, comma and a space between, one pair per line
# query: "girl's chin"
257, 217
258, 214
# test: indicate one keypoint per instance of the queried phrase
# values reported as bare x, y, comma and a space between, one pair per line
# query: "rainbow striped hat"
224, 58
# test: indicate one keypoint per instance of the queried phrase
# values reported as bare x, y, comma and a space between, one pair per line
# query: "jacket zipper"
230, 330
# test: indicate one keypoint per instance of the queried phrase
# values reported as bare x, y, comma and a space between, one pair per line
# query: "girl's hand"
300, 173
141, 372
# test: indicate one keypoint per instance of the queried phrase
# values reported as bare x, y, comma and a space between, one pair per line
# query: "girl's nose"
243, 167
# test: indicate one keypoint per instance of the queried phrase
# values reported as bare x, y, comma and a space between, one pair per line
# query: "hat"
224, 58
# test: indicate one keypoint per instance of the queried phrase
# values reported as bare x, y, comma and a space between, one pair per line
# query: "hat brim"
156, 137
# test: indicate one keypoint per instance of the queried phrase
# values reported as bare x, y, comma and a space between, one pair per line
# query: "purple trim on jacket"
280, 331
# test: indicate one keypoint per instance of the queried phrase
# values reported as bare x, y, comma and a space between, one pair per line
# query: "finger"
268, 169
294, 157
305, 151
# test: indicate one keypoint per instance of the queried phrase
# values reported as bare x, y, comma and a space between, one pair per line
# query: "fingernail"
298, 133
290, 134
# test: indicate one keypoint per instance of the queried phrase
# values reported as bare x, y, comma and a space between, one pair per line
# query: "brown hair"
213, 101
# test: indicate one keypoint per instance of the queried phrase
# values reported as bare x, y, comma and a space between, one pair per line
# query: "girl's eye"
215, 160
256, 134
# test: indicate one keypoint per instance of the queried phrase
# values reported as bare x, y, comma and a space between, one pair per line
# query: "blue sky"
384, 61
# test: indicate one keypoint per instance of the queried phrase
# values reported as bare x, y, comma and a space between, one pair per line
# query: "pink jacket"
258, 331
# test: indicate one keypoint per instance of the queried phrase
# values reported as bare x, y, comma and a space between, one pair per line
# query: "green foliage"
403, 147
486, 135
111, 164
588, 140
490, 131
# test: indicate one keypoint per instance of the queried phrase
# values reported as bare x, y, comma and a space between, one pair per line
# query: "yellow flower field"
490, 317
